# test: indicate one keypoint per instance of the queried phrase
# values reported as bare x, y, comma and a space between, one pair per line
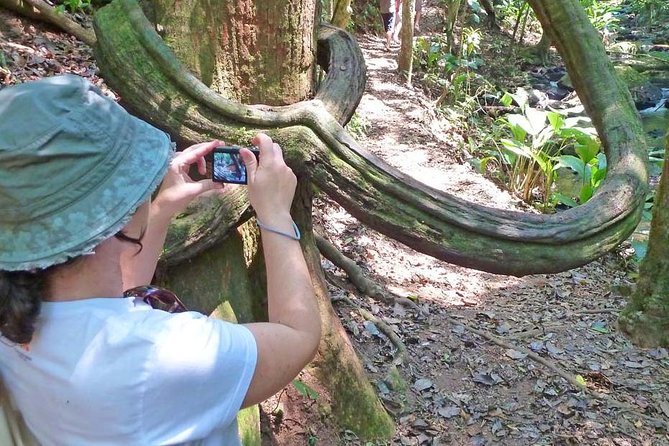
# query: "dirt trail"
405, 131
463, 389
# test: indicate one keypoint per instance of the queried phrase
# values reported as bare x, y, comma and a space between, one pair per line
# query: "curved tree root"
159, 88
358, 278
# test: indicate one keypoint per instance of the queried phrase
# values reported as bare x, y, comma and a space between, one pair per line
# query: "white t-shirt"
114, 371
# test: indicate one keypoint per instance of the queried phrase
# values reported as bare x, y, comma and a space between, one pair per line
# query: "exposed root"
358, 278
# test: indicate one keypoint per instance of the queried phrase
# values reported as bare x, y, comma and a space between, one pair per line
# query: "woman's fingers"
266, 147
196, 153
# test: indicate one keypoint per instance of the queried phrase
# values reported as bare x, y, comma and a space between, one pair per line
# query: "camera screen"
228, 167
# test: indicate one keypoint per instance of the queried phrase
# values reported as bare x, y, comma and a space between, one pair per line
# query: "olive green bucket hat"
74, 166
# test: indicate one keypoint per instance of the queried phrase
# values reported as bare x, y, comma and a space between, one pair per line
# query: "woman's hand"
178, 188
271, 183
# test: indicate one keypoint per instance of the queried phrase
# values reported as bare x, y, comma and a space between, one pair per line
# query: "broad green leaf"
537, 120
567, 201
304, 390
586, 192
515, 148
598, 176
556, 120
601, 158
522, 122
571, 162
506, 99
521, 97
581, 381
587, 151
580, 123
542, 138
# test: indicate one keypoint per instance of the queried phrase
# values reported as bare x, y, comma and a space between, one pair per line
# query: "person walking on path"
387, 8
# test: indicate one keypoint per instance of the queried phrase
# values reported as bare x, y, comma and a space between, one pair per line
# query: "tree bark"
247, 51
341, 14
405, 59
646, 317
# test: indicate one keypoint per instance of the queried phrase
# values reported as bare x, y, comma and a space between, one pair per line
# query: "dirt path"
462, 388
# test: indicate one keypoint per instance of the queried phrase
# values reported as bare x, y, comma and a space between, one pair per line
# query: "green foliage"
366, 17
358, 126
649, 11
589, 166
453, 73
602, 14
543, 157
73, 6
304, 390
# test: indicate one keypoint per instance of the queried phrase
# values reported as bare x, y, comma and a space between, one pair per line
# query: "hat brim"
105, 210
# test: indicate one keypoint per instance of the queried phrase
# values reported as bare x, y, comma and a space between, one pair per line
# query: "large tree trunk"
267, 55
341, 13
646, 317
247, 51
135, 61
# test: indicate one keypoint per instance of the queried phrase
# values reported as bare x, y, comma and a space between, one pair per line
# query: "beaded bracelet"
295, 236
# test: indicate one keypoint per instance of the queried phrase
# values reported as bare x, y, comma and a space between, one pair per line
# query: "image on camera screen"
229, 168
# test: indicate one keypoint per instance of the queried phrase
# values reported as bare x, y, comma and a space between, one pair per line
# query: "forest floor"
490, 359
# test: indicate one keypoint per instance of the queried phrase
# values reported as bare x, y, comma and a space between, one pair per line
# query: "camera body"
228, 166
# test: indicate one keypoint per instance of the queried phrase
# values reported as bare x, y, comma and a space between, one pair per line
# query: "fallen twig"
594, 311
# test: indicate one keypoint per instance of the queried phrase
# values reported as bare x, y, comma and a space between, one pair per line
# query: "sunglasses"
158, 298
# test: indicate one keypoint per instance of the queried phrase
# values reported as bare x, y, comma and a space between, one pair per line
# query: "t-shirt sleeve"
197, 377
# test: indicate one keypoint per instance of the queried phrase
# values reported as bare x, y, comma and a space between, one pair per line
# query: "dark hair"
21, 297
20, 301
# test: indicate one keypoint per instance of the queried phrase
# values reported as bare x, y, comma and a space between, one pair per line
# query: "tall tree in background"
646, 317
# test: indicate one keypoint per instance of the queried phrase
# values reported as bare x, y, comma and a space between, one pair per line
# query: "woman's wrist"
293, 233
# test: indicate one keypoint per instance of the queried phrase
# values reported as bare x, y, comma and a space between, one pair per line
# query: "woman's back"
116, 371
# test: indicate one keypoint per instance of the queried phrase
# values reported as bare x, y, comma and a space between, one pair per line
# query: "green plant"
589, 166
366, 17
537, 149
602, 15
526, 152
73, 6
304, 389
648, 11
358, 126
